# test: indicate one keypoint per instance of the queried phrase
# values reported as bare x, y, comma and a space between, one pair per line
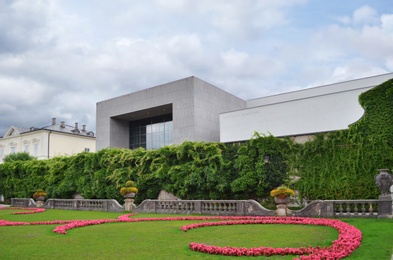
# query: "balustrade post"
328, 210
384, 206
355, 209
363, 208
384, 181
198, 207
340, 209
240, 208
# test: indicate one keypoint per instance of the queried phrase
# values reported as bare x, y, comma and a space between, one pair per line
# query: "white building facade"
47, 142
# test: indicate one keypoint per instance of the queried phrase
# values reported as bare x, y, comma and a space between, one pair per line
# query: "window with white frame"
26, 146
35, 149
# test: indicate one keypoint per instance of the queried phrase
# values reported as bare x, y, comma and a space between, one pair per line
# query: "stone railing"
341, 208
73, 204
354, 208
317, 208
85, 204
204, 207
15, 202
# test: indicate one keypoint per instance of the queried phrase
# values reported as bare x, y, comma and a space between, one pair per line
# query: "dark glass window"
151, 133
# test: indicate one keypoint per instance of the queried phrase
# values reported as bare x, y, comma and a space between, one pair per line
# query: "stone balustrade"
355, 208
317, 208
204, 207
17, 202
108, 205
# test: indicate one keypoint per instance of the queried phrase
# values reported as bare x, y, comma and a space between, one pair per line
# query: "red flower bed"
29, 210
348, 240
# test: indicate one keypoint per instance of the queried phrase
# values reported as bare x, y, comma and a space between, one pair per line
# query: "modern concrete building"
186, 109
194, 110
48, 141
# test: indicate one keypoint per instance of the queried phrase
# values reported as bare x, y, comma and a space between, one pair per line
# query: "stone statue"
384, 180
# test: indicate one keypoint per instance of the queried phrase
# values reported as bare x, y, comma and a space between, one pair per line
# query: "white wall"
66, 144
322, 109
60, 144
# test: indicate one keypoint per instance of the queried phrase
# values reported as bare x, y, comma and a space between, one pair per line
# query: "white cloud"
356, 69
387, 23
389, 63
22, 91
344, 19
365, 15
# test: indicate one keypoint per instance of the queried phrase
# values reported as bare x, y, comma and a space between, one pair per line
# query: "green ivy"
342, 164
256, 178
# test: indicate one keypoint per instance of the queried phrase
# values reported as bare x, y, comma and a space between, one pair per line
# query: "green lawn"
165, 240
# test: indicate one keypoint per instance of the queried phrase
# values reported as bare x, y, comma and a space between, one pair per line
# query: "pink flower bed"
348, 240
29, 210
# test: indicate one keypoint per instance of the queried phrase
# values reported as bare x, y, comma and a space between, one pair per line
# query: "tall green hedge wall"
192, 170
336, 165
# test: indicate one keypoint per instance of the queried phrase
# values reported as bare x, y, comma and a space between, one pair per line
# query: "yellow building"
47, 142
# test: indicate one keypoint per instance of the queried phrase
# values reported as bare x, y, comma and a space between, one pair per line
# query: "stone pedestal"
281, 209
385, 205
282, 205
40, 201
128, 204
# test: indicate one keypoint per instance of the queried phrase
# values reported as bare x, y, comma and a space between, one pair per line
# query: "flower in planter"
39, 193
129, 188
282, 192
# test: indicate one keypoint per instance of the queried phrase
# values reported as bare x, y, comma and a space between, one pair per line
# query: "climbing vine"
342, 164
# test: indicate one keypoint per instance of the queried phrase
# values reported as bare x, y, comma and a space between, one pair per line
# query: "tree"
21, 156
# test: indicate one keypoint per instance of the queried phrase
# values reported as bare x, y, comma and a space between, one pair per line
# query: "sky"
58, 58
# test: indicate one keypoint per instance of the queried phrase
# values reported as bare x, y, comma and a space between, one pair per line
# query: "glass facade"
151, 133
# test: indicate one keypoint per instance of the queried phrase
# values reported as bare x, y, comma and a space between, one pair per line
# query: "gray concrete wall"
209, 103
195, 105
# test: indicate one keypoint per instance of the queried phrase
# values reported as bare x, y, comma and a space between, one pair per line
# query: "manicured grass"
377, 240
165, 240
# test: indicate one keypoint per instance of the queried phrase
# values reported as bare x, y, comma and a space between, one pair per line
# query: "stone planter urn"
282, 208
130, 195
39, 201
40, 198
129, 192
384, 181
279, 200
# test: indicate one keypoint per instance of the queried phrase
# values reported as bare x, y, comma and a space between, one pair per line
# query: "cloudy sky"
58, 58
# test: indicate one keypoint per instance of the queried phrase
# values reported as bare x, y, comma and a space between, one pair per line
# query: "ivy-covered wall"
342, 164
336, 165
192, 170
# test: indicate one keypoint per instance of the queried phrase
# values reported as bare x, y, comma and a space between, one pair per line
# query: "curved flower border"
349, 238
28, 210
